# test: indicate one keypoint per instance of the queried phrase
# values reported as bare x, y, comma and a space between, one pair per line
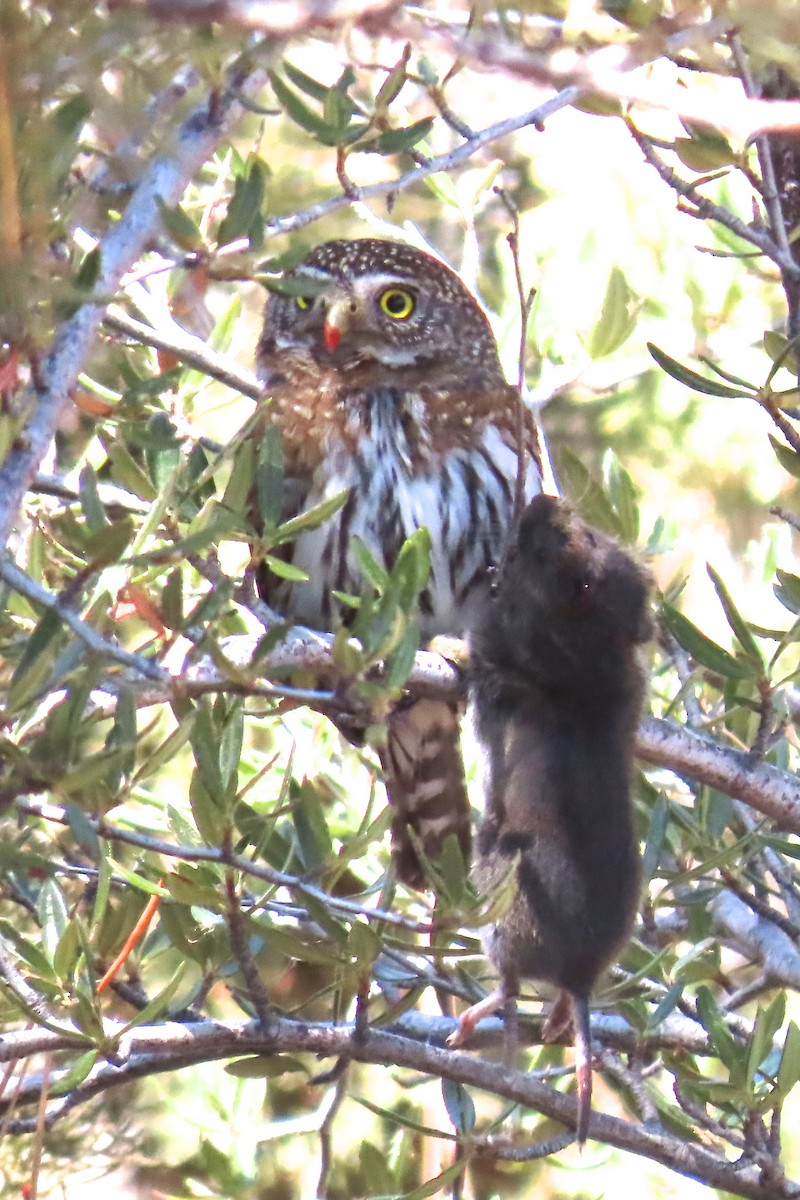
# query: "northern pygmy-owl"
384, 378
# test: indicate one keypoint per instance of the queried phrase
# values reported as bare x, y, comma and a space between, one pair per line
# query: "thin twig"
38, 1143
93, 641
768, 401
769, 192
705, 210
189, 349
105, 829
525, 298
256, 991
326, 1136
433, 166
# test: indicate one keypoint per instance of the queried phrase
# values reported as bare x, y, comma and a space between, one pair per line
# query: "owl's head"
372, 300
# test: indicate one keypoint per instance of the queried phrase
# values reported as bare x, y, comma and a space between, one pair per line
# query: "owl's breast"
409, 456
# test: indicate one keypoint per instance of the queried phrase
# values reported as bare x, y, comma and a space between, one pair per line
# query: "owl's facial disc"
378, 318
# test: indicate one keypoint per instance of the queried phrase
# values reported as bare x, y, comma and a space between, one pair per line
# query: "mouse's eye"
397, 303
304, 302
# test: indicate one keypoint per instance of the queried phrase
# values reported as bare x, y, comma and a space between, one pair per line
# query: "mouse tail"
583, 1065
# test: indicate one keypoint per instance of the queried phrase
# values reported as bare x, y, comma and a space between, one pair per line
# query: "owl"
385, 381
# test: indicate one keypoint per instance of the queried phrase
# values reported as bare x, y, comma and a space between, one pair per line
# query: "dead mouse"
556, 690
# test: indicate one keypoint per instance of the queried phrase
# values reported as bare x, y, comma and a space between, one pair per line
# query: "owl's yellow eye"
397, 303
303, 302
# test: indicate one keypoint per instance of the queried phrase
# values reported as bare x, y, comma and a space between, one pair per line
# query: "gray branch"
774, 793
188, 348
16, 579
152, 1050
163, 181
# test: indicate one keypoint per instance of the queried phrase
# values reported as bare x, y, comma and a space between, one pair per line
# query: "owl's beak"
337, 321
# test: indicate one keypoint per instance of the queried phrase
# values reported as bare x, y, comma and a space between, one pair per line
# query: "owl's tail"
426, 785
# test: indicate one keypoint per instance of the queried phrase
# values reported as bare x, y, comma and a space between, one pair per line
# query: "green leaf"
313, 836
91, 503
53, 915
726, 1048
269, 477
69, 949
622, 493
656, 837
230, 747
312, 87
394, 82
90, 771
782, 351
413, 567
180, 226
298, 110
103, 887
665, 1006
767, 1023
691, 379
789, 1070
28, 951
109, 545
787, 457
159, 1004
190, 888
36, 662
126, 471
363, 944
138, 881
705, 651
616, 320
460, 1108
734, 618
435, 1187
83, 831
263, 1067
312, 518
169, 748
401, 660
244, 217
241, 479
587, 494
285, 570
372, 570
704, 154
205, 741
89, 270
787, 589
394, 141
337, 108
76, 1073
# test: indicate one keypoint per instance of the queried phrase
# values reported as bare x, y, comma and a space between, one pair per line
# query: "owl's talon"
455, 650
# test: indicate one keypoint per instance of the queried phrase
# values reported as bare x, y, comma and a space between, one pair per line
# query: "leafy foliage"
193, 856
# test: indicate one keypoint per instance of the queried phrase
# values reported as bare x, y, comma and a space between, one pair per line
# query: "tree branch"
151, 1050
773, 792
213, 854
188, 348
163, 182
94, 642
442, 162
612, 72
